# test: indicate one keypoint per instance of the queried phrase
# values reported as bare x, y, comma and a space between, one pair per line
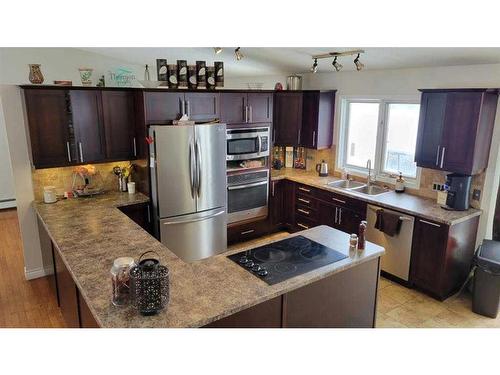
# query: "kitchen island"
88, 234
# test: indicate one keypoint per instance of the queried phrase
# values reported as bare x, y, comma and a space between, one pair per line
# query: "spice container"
353, 242
150, 285
361, 235
120, 280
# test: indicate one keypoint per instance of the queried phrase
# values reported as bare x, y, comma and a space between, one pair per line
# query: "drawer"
246, 231
306, 190
341, 200
303, 211
306, 201
302, 223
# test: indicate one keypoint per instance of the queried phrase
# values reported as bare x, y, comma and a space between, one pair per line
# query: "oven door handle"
237, 187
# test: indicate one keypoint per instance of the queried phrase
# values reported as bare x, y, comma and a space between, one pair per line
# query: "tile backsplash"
62, 178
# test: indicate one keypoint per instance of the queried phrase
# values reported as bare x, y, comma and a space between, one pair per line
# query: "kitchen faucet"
369, 167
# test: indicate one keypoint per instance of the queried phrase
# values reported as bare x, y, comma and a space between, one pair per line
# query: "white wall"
406, 82
7, 193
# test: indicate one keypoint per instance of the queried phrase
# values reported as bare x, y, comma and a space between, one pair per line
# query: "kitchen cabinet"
202, 106
442, 255
243, 107
452, 122
87, 320
287, 118
67, 291
48, 124
317, 119
163, 107
119, 124
86, 110
240, 232
140, 213
276, 206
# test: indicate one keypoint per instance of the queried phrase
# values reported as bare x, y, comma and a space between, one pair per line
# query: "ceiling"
271, 60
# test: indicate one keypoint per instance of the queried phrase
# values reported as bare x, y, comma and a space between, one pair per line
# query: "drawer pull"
304, 200
338, 200
248, 231
302, 226
428, 222
303, 211
304, 189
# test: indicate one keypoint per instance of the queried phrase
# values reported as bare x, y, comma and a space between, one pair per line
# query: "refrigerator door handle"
194, 220
191, 168
198, 167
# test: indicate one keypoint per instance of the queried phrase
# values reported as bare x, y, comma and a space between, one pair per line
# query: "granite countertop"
411, 204
90, 233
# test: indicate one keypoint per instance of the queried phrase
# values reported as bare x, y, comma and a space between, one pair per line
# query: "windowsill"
383, 178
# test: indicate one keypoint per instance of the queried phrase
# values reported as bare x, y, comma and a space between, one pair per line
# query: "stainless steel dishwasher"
396, 260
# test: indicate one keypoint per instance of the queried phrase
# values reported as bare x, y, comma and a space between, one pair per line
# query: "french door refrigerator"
188, 180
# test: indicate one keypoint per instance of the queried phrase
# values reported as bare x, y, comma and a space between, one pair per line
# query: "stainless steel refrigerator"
188, 180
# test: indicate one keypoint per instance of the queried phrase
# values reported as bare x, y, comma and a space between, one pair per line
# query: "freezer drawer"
195, 236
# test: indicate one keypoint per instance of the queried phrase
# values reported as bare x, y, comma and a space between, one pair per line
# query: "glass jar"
353, 242
120, 280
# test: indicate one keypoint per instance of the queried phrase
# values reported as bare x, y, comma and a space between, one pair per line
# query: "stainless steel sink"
346, 184
370, 190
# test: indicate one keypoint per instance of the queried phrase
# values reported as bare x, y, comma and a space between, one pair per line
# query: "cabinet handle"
135, 148
272, 187
340, 216
314, 138
188, 108
183, 107
336, 215
437, 156
245, 113
303, 211
304, 189
302, 226
304, 200
81, 151
251, 113
298, 137
442, 156
69, 151
274, 135
248, 231
428, 222
338, 200
149, 214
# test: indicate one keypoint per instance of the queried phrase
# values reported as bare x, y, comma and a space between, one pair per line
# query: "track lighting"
337, 65
359, 64
314, 68
238, 54
217, 50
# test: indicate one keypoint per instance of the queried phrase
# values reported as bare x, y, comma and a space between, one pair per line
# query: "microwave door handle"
260, 143
244, 186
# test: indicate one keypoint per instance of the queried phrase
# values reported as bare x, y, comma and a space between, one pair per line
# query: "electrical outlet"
436, 186
476, 194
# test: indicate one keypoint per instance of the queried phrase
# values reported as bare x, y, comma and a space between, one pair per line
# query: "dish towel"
388, 223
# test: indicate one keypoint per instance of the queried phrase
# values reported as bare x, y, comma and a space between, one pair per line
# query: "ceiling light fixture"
217, 50
359, 64
314, 68
238, 54
337, 65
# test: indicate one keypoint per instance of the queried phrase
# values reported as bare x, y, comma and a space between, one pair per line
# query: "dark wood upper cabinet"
202, 106
318, 109
48, 123
455, 129
233, 107
260, 107
86, 111
163, 107
119, 124
287, 118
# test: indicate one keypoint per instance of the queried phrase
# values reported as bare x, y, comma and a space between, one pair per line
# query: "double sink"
358, 187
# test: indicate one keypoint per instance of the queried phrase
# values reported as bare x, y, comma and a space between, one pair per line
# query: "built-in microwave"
247, 143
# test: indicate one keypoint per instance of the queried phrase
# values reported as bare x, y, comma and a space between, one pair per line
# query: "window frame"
380, 145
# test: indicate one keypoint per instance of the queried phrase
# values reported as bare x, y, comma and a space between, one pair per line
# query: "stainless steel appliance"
396, 260
458, 186
188, 181
287, 258
247, 143
294, 82
247, 195
322, 169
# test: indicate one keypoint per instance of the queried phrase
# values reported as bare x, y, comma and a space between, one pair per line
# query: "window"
380, 130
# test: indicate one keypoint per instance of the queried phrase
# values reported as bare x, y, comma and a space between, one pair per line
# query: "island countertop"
410, 204
90, 233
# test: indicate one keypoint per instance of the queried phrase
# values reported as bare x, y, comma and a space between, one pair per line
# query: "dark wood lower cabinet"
344, 300
140, 214
68, 293
240, 232
86, 318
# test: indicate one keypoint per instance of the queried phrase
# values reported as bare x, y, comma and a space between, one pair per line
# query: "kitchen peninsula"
87, 234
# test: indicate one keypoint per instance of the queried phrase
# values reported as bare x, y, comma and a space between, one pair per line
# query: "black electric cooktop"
287, 258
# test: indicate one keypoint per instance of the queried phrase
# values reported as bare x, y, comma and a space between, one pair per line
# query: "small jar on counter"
353, 242
120, 280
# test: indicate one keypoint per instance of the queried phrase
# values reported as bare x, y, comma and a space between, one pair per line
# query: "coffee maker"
458, 186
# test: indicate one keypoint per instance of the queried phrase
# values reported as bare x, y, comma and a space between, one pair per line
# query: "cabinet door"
310, 108
233, 107
202, 106
119, 124
276, 207
430, 128
48, 123
348, 220
67, 291
260, 107
459, 131
89, 131
163, 107
287, 118
289, 203
328, 215
428, 251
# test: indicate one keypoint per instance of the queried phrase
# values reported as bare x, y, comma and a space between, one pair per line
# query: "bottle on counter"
361, 235
400, 184
353, 242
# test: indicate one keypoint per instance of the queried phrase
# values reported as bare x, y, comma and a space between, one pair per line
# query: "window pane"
361, 133
401, 139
